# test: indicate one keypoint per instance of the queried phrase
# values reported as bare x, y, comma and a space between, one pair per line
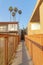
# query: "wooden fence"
8, 46
34, 44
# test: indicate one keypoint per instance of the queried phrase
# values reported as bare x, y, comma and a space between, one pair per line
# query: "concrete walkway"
22, 56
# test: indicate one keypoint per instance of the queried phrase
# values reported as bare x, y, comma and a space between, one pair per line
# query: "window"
35, 26
2, 28
12, 27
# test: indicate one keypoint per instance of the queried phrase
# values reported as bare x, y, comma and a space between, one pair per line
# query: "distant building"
9, 27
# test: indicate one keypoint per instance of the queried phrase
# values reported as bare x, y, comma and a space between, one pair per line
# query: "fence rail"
34, 44
8, 46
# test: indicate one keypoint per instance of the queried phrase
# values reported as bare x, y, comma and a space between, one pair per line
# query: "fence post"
6, 50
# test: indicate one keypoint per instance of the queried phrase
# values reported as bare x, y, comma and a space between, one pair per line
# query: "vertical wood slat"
6, 50
36, 50
2, 51
5, 43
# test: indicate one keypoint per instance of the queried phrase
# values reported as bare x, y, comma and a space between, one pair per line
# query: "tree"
15, 10
19, 11
10, 9
13, 14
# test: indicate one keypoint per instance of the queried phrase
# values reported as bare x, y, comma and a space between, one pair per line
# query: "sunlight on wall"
35, 26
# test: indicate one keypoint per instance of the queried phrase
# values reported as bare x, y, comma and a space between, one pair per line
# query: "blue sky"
26, 6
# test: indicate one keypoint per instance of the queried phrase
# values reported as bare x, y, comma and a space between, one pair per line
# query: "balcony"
6, 27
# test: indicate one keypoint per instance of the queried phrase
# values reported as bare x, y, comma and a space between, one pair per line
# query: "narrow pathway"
22, 56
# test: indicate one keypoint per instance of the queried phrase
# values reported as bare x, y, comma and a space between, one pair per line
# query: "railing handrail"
35, 43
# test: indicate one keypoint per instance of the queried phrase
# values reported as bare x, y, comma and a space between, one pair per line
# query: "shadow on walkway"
26, 60
22, 56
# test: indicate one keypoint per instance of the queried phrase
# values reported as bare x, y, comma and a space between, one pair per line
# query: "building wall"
9, 27
31, 31
41, 17
35, 30
3, 28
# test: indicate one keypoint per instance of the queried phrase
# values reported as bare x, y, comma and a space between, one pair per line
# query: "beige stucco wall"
40, 31
30, 31
41, 17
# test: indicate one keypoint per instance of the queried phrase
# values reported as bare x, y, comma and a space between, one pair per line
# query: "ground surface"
22, 56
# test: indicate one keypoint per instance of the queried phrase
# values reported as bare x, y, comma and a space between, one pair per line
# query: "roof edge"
34, 9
